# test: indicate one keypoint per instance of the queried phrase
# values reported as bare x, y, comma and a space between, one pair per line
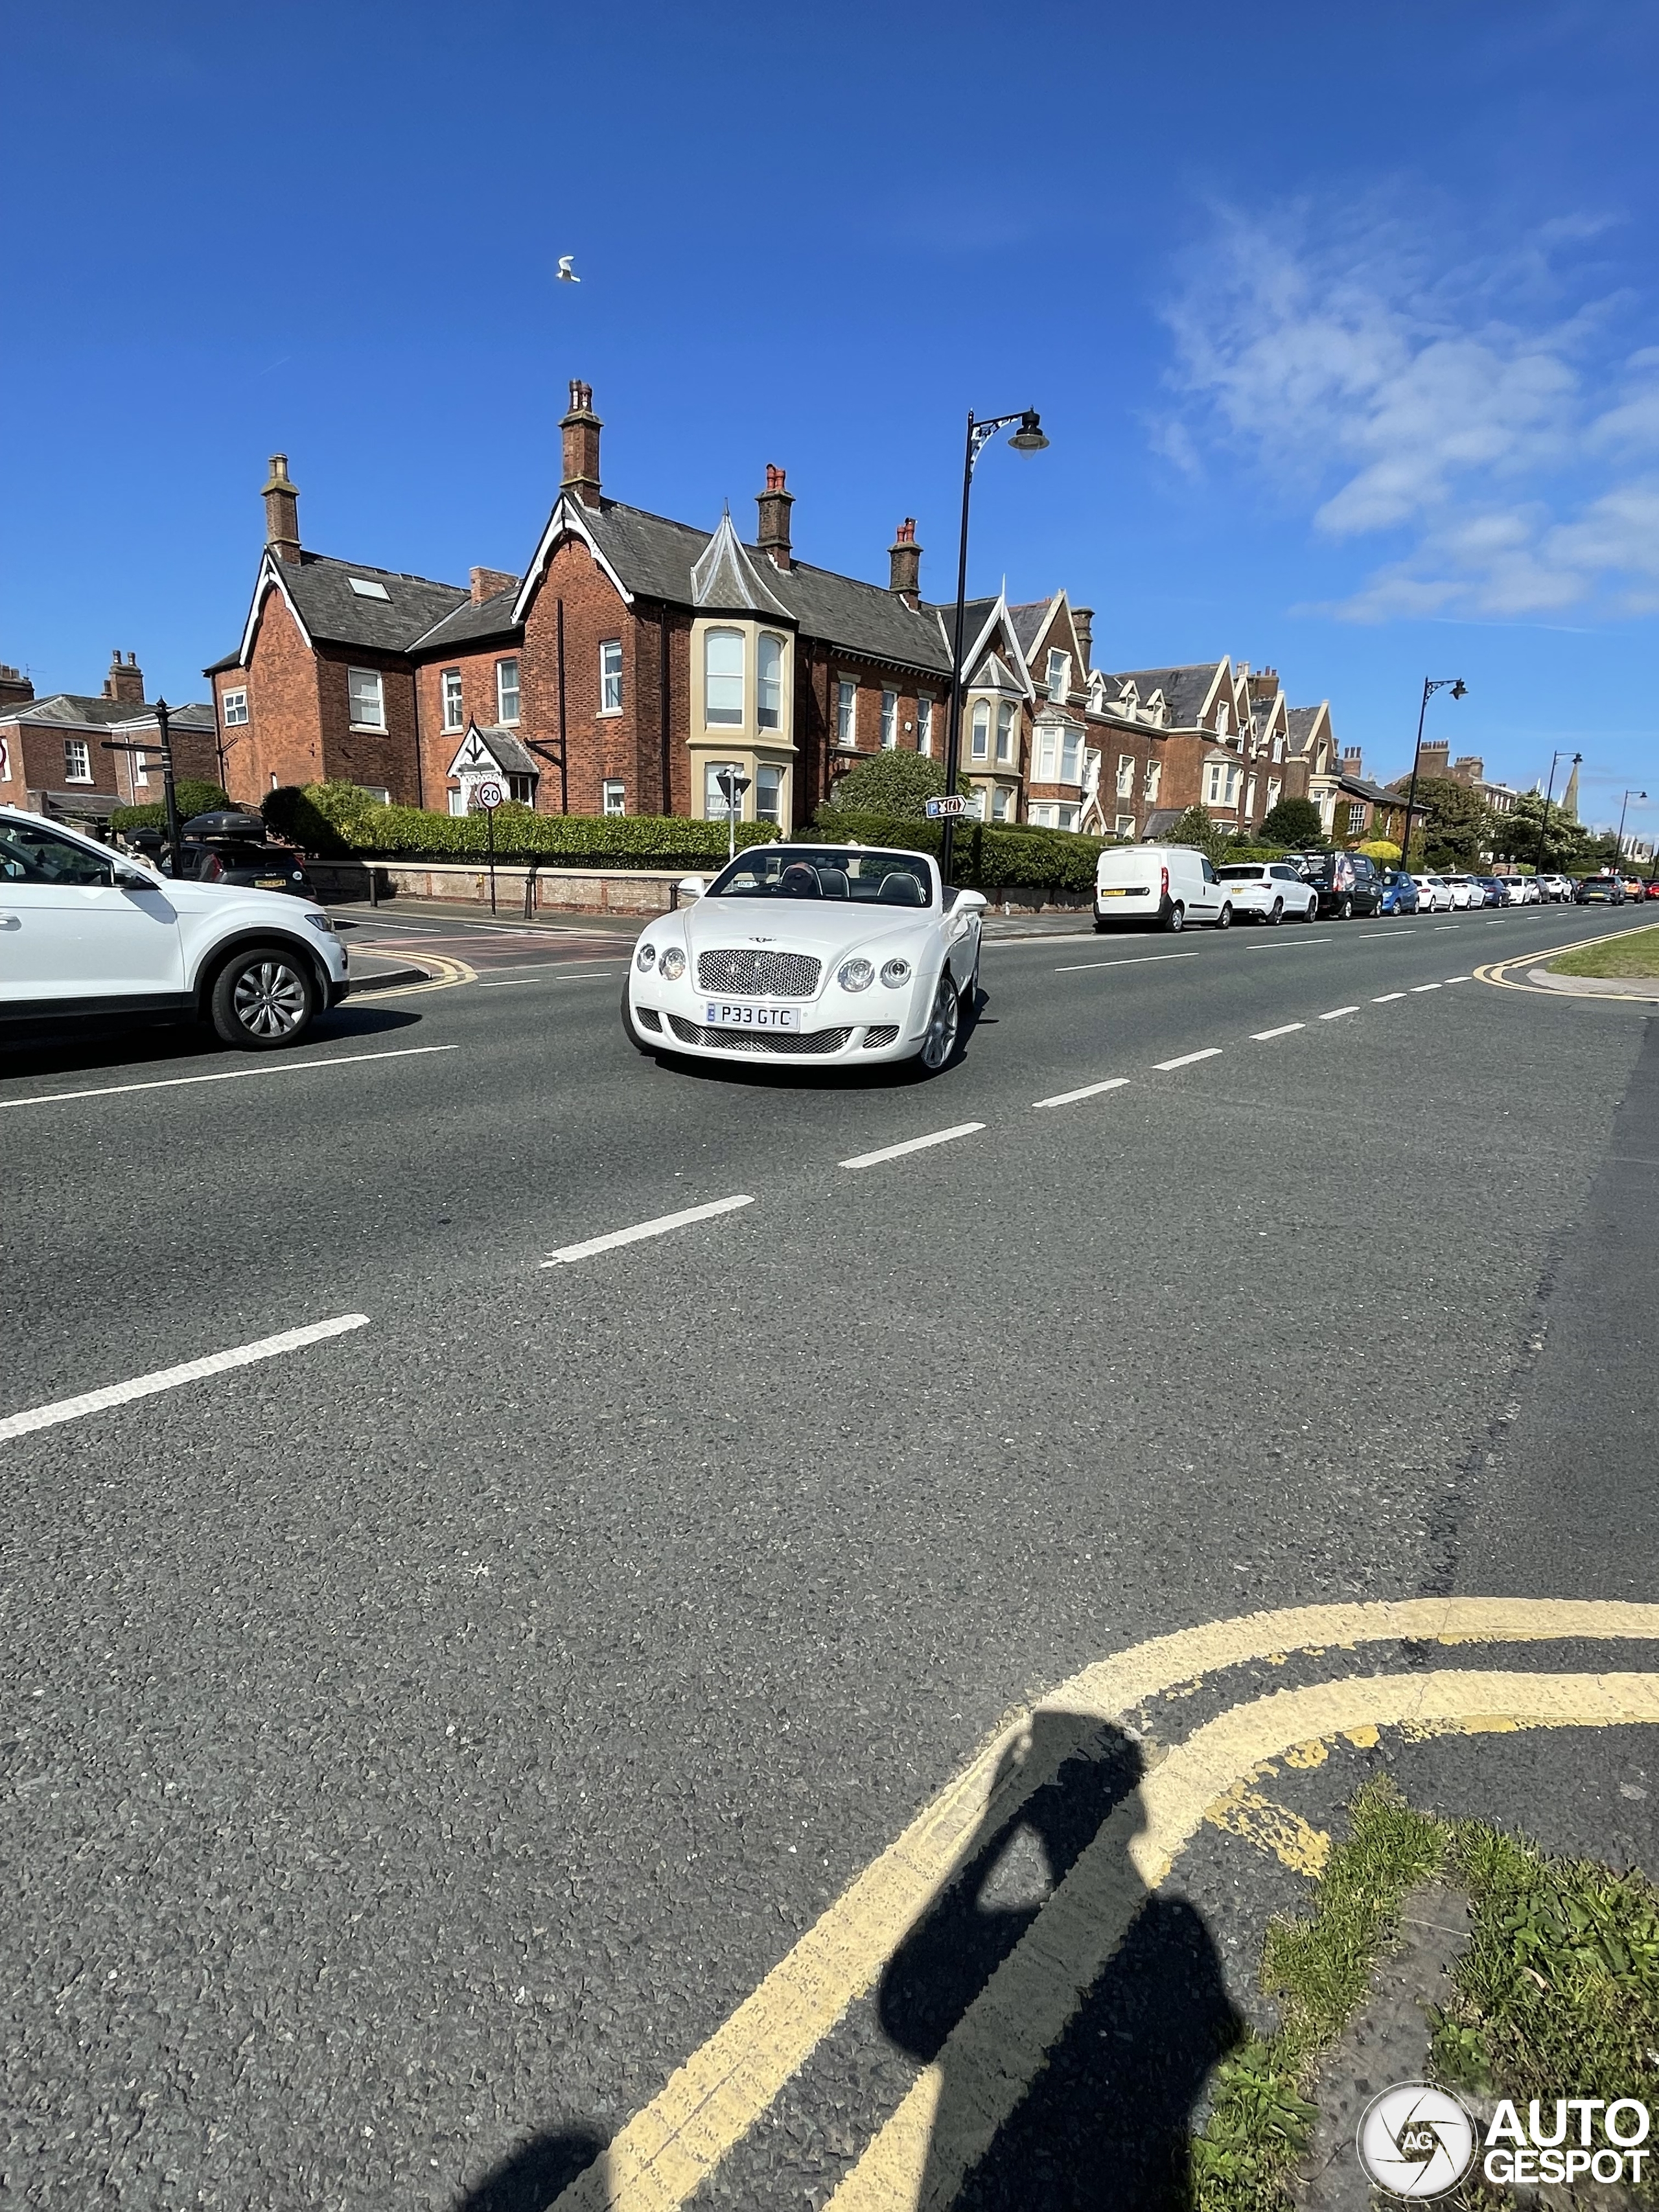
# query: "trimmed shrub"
193, 797
1382, 850
1295, 824
340, 821
896, 785
989, 856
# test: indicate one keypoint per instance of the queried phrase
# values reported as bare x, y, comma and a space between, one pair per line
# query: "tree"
895, 784
1566, 843
1293, 823
1451, 824
1196, 828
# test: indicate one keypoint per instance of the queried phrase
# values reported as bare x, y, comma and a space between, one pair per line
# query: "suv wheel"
263, 998
1277, 915
1344, 912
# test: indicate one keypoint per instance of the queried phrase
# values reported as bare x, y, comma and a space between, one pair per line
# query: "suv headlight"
855, 974
896, 975
320, 920
646, 957
671, 966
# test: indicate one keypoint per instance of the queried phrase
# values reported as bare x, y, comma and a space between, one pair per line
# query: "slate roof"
468, 623
1361, 787
1028, 621
1185, 690
510, 753
68, 706
655, 557
198, 715
337, 615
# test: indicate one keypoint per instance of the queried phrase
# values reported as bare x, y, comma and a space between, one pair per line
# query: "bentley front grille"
746, 975
781, 1041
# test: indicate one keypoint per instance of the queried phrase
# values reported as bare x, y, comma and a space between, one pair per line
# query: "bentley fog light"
896, 973
646, 957
671, 966
855, 974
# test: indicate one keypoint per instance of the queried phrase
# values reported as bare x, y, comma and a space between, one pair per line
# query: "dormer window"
722, 678
1059, 674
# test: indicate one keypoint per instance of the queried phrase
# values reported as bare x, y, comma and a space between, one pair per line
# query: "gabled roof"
1301, 723
198, 715
493, 746
1029, 620
648, 557
1188, 691
993, 674
1361, 787
469, 624
388, 618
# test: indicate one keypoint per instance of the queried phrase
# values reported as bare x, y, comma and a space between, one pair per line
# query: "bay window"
980, 746
768, 795
768, 682
722, 681
1004, 732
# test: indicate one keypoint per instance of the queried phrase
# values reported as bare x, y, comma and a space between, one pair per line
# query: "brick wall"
281, 739
37, 764
385, 758
480, 703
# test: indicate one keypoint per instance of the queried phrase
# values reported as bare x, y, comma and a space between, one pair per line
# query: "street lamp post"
169, 788
1458, 688
1544, 819
732, 788
1619, 849
1028, 439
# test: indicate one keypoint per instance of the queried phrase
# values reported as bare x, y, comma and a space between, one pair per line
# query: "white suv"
87, 931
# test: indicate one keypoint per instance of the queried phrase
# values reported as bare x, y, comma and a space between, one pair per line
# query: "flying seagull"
567, 274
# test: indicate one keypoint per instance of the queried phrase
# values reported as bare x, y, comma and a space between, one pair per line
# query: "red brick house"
633, 660
53, 759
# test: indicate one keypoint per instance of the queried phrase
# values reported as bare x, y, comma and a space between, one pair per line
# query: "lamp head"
1028, 438
1460, 689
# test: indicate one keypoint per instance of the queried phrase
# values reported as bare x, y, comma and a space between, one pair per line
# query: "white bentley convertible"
827, 953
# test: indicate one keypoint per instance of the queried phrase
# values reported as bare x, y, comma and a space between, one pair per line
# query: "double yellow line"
1496, 971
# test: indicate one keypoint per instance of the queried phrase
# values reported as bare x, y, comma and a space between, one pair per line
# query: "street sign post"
946, 810
732, 784
488, 792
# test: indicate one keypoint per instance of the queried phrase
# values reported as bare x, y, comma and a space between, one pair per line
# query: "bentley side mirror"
690, 887
971, 901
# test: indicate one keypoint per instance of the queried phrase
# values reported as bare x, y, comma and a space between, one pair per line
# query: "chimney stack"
486, 582
1264, 683
125, 680
1083, 622
774, 503
904, 557
581, 428
282, 499
1354, 760
1435, 759
16, 689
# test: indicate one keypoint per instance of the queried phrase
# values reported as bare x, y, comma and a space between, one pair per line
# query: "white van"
1168, 885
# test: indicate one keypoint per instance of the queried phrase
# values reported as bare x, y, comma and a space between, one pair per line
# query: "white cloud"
1464, 410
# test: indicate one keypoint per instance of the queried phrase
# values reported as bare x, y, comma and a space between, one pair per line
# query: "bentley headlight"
896, 975
646, 957
855, 974
671, 966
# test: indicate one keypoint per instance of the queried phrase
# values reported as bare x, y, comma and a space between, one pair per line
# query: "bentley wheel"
938, 1046
264, 997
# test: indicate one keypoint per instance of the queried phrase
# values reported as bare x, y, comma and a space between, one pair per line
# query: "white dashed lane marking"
230, 1074
1337, 1012
1138, 960
1419, 987
1386, 997
1261, 1036
1186, 1059
171, 1378
911, 1144
1089, 1090
659, 1227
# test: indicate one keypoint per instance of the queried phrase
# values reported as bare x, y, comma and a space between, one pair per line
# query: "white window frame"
454, 701
1071, 756
140, 768
233, 708
1278, 746
768, 795
611, 675
769, 681
979, 731
1047, 753
1154, 778
507, 689
1065, 818
1057, 679
1042, 815
846, 713
458, 801
725, 716
614, 796
1275, 791
713, 800
999, 799
925, 724
78, 749
1126, 775
1005, 731
889, 720
1126, 826
366, 698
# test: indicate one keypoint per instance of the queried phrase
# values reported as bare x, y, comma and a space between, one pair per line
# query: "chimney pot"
580, 428
125, 680
904, 563
774, 503
281, 499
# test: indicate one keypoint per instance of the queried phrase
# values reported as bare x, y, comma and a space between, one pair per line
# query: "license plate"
720, 1017
270, 883
1111, 894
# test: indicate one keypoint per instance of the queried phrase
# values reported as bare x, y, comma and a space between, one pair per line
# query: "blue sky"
1344, 322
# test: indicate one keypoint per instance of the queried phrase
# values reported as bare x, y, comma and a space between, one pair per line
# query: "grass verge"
1557, 1994
1636, 953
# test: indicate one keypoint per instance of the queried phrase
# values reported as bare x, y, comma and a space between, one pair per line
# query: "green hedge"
339, 822
989, 856
193, 798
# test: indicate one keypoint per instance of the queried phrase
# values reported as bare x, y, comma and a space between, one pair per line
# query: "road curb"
1495, 972
389, 979
1595, 987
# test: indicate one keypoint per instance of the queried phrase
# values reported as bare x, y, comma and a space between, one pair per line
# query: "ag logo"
1415, 2140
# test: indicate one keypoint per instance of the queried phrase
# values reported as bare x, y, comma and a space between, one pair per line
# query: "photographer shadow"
1106, 2120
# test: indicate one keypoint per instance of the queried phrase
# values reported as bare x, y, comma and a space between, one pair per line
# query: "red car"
1653, 886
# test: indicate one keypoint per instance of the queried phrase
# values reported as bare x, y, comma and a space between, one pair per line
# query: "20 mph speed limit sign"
488, 793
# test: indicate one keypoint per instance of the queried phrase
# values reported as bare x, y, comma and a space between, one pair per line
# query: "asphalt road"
422, 1739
